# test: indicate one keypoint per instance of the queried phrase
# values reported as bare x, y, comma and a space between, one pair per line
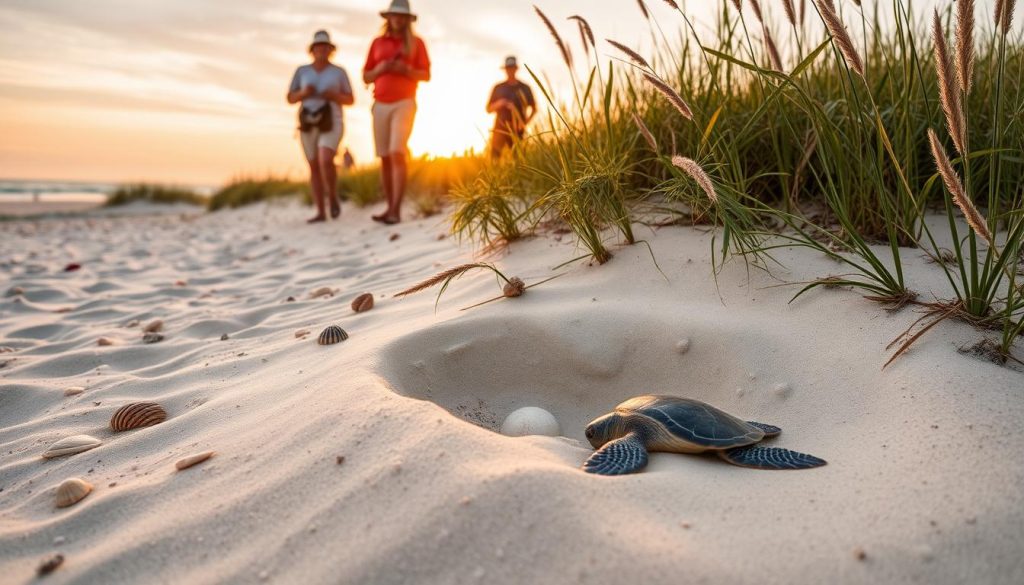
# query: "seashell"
323, 291
363, 302
224, 337
180, 283
72, 491
394, 236
302, 333
333, 334
137, 415
153, 326
152, 337
515, 287
74, 390
73, 266
71, 445
104, 341
50, 565
193, 460
290, 300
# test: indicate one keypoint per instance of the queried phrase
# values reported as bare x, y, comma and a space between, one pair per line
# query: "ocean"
54, 191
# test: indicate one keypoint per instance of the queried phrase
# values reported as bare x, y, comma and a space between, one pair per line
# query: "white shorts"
314, 140
392, 126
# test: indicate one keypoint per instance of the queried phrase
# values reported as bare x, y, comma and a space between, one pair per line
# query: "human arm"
342, 94
296, 92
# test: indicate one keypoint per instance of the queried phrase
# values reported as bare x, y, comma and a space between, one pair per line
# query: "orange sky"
192, 91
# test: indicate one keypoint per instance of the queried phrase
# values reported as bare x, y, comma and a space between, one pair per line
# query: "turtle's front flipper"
769, 430
770, 458
625, 455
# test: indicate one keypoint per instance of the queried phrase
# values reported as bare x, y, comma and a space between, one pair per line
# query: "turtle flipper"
770, 458
769, 430
625, 455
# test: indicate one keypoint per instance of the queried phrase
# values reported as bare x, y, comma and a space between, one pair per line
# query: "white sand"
925, 474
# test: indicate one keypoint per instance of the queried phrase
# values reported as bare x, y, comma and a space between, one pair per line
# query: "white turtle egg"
530, 420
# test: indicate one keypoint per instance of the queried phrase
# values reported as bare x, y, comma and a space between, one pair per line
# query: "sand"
376, 461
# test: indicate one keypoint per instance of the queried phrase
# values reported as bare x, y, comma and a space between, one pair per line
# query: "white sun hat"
399, 7
321, 37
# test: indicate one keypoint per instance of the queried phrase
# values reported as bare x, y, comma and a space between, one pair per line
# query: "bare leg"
329, 174
317, 186
399, 174
385, 179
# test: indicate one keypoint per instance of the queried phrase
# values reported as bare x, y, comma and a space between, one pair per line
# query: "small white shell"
72, 491
74, 390
193, 460
323, 291
71, 445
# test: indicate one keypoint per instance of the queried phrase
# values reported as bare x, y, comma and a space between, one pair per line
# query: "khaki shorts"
392, 126
314, 140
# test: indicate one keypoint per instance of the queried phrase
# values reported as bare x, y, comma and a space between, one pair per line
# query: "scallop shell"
71, 445
333, 334
193, 460
153, 326
72, 491
363, 302
137, 415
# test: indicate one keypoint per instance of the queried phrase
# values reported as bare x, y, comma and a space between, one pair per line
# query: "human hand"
306, 92
400, 67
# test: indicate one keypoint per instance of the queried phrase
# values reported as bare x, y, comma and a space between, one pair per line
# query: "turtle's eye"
590, 432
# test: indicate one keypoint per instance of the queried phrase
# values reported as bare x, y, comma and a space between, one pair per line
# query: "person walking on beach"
323, 88
395, 65
512, 103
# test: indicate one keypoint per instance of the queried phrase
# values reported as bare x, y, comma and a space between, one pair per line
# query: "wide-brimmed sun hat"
510, 61
321, 37
399, 7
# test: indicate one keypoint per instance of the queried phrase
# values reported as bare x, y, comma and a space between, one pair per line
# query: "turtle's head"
604, 429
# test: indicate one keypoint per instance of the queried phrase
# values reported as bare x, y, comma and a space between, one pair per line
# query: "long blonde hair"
408, 44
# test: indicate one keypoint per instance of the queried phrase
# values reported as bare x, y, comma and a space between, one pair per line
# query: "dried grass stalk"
790, 10
803, 11
773, 51
643, 9
645, 132
1004, 15
956, 189
948, 94
441, 277
558, 39
633, 55
739, 7
756, 6
670, 94
965, 44
694, 170
673, 4
840, 36
586, 34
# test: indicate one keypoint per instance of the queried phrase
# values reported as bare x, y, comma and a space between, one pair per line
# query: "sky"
193, 92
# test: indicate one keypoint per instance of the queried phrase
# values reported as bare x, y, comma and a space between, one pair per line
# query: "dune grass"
150, 193
783, 128
248, 190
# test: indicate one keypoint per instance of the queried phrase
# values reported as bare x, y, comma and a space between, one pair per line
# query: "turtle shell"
684, 424
331, 335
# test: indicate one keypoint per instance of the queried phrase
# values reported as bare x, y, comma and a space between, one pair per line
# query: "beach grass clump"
813, 136
247, 191
492, 208
149, 193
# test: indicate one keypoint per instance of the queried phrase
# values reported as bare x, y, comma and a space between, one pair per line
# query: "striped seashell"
193, 460
71, 445
363, 302
137, 415
333, 334
72, 491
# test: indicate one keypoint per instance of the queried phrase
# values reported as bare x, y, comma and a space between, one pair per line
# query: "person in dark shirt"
512, 103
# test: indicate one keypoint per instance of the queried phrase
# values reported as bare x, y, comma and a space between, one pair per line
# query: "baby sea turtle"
682, 425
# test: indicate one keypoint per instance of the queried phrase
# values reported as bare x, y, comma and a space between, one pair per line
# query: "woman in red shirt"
397, 62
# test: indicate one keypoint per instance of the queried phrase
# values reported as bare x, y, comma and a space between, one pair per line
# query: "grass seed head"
956, 189
694, 170
840, 36
965, 44
670, 94
558, 39
948, 93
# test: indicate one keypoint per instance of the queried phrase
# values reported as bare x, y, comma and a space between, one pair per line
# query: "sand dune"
923, 482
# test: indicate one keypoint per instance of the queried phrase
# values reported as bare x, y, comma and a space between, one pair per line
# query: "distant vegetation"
154, 194
246, 191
